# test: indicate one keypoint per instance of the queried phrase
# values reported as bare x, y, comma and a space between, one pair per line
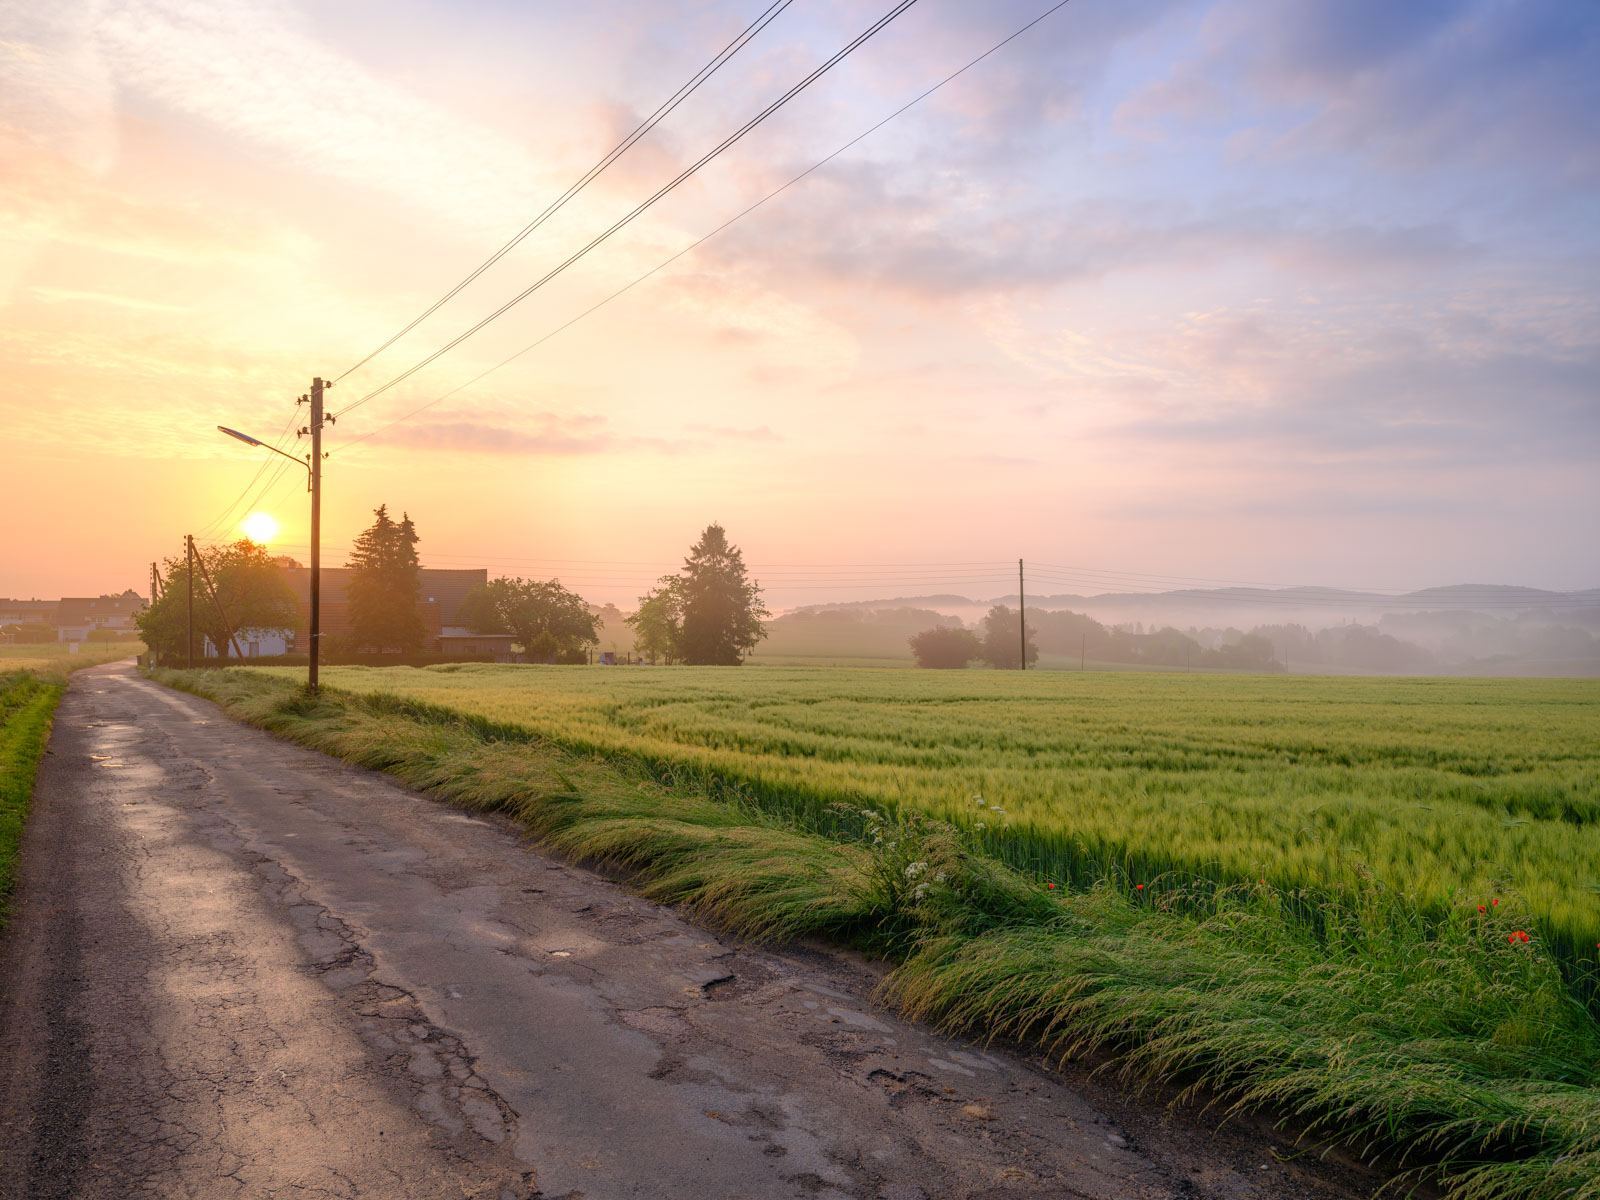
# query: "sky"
1277, 291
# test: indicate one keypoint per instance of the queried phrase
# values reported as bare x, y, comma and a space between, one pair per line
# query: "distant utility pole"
1022, 621
155, 595
1083, 650
315, 430
188, 563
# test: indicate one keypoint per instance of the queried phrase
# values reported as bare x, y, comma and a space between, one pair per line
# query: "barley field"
1448, 790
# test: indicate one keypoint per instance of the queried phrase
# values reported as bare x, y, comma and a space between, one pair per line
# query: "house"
39, 614
439, 602
253, 643
454, 639
78, 616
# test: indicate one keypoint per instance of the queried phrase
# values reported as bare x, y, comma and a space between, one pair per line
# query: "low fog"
1464, 630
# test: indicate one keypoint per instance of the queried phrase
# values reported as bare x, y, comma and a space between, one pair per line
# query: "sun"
259, 527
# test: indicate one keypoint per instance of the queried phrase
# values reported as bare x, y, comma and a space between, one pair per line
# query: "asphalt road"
242, 969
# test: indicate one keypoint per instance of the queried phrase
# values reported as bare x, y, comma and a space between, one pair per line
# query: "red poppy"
1051, 886
1494, 902
1481, 908
1516, 937
1139, 886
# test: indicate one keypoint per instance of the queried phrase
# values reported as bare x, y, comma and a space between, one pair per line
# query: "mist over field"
1465, 630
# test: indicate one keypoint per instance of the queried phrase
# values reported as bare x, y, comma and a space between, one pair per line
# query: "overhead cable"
698, 242
838, 57
593, 173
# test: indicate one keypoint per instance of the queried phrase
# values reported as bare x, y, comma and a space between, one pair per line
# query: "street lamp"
313, 465
250, 441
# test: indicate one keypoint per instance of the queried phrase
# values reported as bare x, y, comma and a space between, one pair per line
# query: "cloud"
51, 295
254, 71
1413, 86
558, 436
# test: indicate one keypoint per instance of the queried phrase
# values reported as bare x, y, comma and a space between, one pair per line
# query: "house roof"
26, 610
443, 586
98, 610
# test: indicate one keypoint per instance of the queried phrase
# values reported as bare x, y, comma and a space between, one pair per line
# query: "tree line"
998, 642
708, 613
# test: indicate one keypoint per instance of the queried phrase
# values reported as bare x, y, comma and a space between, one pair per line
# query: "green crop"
1441, 789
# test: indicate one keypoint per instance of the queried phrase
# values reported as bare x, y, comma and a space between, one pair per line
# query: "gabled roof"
98, 610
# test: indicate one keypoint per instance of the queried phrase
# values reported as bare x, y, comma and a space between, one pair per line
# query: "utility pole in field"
188, 563
1022, 621
313, 465
315, 430
155, 594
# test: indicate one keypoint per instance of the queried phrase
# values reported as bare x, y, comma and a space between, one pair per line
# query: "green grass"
1429, 1034
27, 704
1448, 790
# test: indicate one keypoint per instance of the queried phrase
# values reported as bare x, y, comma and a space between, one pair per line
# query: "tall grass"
27, 704
1433, 1034
1433, 787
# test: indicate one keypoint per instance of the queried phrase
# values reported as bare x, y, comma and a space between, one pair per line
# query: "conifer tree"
721, 607
385, 584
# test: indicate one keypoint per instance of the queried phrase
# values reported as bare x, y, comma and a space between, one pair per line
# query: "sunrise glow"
259, 527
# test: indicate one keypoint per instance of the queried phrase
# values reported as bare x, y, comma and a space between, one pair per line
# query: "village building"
79, 616
28, 612
440, 595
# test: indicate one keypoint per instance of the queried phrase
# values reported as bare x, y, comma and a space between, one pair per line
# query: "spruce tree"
385, 584
722, 608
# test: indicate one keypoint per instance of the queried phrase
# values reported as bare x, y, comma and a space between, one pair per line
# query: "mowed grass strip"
1439, 788
1445, 1041
27, 704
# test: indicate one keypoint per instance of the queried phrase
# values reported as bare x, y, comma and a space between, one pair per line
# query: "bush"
945, 647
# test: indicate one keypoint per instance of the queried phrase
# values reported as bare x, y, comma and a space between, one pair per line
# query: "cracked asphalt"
239, 968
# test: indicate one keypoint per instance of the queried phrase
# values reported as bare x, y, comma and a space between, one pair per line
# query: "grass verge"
27, 704
1443, 1041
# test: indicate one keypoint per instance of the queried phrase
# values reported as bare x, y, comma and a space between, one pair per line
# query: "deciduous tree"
1001, 637
945, 646
250, 587
658, 625
544, 617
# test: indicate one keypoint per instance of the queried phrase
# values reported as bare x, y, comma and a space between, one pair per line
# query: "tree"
250, 588
1000, 638
658, 625
945, 646
545, 618
722, 609
385, 584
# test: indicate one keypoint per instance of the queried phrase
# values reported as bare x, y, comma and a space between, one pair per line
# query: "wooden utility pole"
216, 602
155, 595
188, 562
315, 430
1022, 621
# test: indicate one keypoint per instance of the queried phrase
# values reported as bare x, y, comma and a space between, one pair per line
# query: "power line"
698, 242
220, 522
594, 172
838, 57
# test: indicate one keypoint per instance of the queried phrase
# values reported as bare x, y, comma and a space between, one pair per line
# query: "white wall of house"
255, 643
